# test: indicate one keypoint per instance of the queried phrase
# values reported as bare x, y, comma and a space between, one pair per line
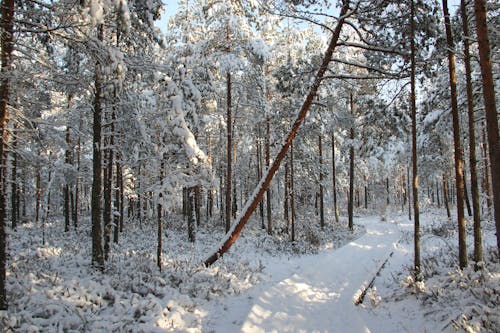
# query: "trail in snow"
314, 293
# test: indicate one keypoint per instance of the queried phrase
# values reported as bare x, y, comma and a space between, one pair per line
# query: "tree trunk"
350, 204
67, 161
416, 212
117, 213
286, 204
7, 46
97, 250
77, 184
478, 247
321, 202
191, 214
489, 107
486, 174
292, 194
15, 188
459, 176
268, 192
334, 182
229, 126
466, 192
446, 196
266, 179
259, 176
38, 193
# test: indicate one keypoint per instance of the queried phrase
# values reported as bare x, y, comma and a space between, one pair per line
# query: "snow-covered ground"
264, 284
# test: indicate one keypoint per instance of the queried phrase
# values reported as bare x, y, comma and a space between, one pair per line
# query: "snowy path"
313, 293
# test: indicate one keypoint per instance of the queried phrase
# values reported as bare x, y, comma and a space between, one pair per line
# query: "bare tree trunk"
229, 177
160, 222
478, 247
259, 175
7, 46
97, 250
268, 192
416, 212
15, 188
334, 182
266, 180
486, 174
67, 161
350, 204
286, 204
446, 196
321, 201
489, 107
459, 176
292, 194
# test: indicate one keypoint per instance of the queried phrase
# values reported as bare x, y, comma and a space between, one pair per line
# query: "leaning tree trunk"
416, 210
489, 107
247, 211
7, 45
459, 176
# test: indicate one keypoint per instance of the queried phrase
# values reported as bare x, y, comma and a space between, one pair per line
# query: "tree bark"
416, 209
446, 196
459, 176
266, 179
489, 107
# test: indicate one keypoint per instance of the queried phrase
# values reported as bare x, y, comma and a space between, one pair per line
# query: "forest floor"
264, 284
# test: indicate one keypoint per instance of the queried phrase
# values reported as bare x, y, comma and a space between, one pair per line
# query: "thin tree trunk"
489, 107
15, 189
259, 175
191, 214
321, 202
416, 212
38, 194
350, 204
466, 192
334, 182
459, 176
486, 174
266, 179
268, 192
229, 123
160, 222
437, 194
67, 161
292, 193
445, 196
97, 250
286, 204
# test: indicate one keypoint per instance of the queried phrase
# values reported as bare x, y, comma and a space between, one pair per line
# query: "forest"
249, 166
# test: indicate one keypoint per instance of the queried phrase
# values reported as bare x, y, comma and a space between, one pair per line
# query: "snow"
263, 284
